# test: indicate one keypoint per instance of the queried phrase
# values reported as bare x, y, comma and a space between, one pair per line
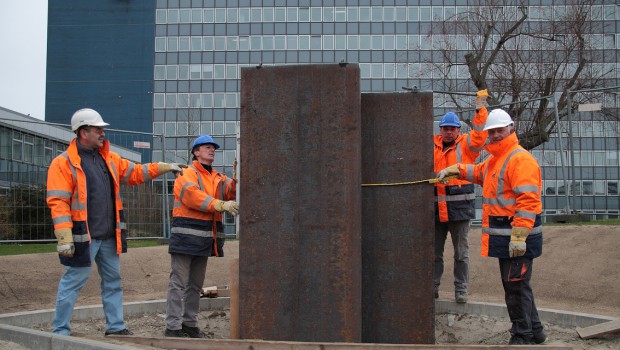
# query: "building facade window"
393, 48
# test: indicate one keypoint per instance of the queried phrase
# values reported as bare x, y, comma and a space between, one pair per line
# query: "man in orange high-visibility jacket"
511, 220
201, 195
455, 200
83, 195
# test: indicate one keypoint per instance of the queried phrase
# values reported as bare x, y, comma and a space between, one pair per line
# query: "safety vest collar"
74, 157
499, 148
439, 143
199, 168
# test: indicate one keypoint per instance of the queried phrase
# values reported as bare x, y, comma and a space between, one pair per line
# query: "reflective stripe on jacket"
196, 225
455, 200
66, 196
511, 189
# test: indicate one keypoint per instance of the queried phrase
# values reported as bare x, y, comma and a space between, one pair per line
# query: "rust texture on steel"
300, 226
397, 221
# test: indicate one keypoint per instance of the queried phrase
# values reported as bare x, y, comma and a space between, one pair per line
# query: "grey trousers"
459, 231
187, 275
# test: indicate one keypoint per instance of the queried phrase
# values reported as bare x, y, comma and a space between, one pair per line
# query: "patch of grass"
608, 222
16, 249
35, 248
140, 243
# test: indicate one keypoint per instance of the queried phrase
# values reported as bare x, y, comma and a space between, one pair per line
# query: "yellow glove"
516, 247
481, 98
229, 206
452, 170
65, 245
175, 168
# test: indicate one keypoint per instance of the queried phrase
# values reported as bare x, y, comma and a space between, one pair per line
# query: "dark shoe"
520, 340
177, 333
121, 332
539, 338
192, 332
460, 297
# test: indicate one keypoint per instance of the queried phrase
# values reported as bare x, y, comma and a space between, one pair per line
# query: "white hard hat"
498, 118
86, 117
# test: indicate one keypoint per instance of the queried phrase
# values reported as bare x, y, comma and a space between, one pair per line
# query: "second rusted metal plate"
397, 221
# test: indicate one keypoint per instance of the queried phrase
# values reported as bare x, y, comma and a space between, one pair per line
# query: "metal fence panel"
25, 155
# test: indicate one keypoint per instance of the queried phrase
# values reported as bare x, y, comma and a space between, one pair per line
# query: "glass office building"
201, 46
100, 55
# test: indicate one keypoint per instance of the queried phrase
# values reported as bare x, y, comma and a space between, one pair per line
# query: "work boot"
460, 297
177, 333
539, 337
124, 331
192, 332
520, 340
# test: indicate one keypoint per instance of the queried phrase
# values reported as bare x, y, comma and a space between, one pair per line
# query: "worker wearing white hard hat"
83, 194
511, 220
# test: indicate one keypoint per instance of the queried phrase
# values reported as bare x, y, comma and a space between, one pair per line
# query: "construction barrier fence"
26, 153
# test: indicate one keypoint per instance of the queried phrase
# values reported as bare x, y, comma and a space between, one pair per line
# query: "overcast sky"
23, 43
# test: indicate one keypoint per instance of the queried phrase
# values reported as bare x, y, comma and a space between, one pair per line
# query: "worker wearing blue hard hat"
455, 200
450, 119
204, 140
201, 196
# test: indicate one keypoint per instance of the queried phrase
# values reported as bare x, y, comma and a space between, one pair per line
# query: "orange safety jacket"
511, 189
455, 200
195, 222
66, 197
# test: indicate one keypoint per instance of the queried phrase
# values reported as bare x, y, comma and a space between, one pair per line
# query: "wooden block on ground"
599, 329
215, 292
223, 291
243, 344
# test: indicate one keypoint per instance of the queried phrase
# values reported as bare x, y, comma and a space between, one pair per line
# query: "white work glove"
452, 170
229, 206
175, 168
65, 245
481, 98
517, 246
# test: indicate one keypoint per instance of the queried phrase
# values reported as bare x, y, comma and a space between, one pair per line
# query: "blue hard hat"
450, 119
203, 140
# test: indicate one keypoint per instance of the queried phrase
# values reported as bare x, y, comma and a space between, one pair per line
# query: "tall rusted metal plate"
397, 221
300, 224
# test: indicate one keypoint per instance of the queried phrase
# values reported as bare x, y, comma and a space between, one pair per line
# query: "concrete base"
28, 318
13, 326
498, 311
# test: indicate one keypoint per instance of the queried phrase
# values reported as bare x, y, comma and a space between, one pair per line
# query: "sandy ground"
579, 271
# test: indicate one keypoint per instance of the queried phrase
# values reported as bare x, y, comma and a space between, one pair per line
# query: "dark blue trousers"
516, 274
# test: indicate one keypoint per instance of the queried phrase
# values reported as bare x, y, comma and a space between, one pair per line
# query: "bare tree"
192, 129
523, 53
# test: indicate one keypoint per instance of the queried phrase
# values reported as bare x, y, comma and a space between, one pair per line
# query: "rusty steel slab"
300, 224
397, 221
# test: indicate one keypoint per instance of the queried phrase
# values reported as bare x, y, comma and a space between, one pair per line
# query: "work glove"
175, 168
235, 170
229, 206
452, 170
481, 98
516, 247
65, 245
